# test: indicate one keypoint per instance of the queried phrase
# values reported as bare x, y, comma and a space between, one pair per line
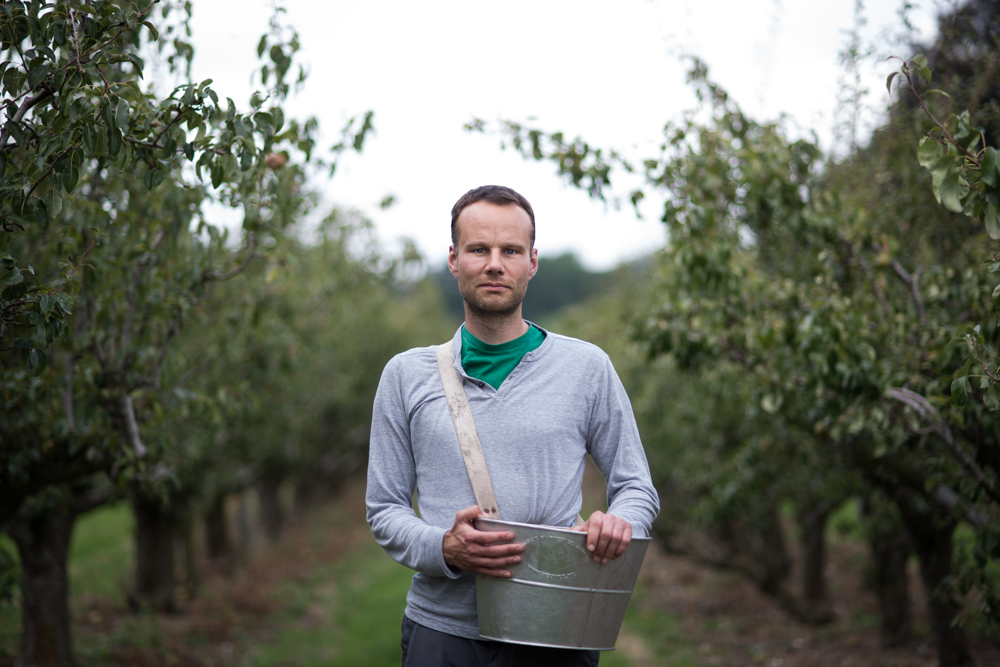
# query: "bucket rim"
537, 525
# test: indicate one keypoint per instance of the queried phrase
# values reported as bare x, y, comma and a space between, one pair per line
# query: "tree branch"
947, 135
216, 275
130, 427
125, 24
49, 170
938, 426
912, 281
26, 105
81, 503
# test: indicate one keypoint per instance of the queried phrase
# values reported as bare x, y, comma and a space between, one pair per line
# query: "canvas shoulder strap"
468, 437
465, 429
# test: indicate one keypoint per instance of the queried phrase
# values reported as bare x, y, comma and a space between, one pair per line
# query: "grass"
345, 613
659, 632
100, 561
342, 608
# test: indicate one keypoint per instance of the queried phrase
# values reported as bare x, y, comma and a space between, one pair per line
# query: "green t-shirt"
493, 363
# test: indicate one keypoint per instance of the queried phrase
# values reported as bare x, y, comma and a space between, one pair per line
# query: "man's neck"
494, 329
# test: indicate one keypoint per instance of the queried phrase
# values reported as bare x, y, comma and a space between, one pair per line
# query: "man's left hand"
607, 535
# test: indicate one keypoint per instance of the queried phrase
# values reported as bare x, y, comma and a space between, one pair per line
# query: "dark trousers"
424, 647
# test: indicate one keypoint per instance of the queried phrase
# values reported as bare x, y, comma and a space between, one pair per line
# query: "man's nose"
495, 263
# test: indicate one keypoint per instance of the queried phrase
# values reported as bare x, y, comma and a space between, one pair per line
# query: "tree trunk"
932, 535
155, 582
812, 521
756, 544
43, 546
272, 517
217, 543
310, 490
192, 577
891, 548
771, 551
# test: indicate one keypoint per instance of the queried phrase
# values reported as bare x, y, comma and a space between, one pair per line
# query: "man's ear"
534, 263
452, 261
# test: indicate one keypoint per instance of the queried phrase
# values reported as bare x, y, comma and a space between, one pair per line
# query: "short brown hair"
494, 194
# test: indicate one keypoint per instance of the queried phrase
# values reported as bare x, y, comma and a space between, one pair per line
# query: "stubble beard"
493, 309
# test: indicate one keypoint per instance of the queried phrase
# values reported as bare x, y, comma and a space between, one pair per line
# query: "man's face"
492, 257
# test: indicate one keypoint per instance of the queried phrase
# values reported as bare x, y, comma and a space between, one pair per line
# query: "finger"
614, 529
493, 563
625, 541
489, 537
593, 525
495, 550
603, 539
492, 572
468, 514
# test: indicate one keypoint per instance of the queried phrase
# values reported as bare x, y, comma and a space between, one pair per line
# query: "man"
541, 403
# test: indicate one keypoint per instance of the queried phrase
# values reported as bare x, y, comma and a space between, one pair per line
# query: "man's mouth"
494, 287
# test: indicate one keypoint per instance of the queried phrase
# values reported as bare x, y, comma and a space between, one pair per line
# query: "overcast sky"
610, 72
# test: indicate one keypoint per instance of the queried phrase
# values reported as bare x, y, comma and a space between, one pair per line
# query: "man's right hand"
481, 552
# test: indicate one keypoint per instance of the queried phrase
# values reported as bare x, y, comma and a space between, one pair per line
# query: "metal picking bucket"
557, 595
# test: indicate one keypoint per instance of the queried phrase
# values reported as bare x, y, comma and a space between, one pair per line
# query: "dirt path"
327, 595
719, 618
233, 615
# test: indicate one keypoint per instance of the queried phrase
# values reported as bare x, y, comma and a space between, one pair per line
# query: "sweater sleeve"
615, 446
391, 482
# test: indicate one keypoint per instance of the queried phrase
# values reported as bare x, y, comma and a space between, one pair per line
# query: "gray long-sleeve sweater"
563, 401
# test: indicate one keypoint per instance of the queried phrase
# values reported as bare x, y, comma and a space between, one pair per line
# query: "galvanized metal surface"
558, 596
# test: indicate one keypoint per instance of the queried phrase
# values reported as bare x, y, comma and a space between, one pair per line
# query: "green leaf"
137, 63
992, 221
121, 114
991, 399
45, 303
929, 152
88, 138
960, 388
3, 163
946, 181
14, 128
920, 61
152, 31
888, 81
230, 168
37, 74
42, 215
989, 168
14, 277
114, 141
53, 202
169, 148
261, 45
37, 360
71, 178
938, 92
135, 88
